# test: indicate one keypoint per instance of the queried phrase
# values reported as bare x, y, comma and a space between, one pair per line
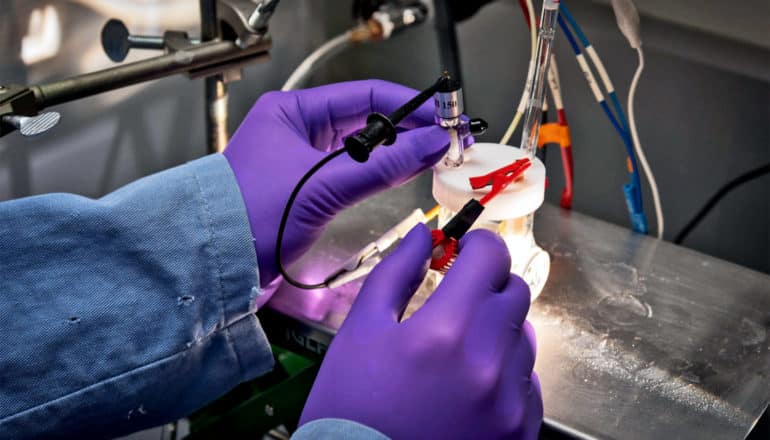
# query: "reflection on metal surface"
633, 330
43, 37
637, 339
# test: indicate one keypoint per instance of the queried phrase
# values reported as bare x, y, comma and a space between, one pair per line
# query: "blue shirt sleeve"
128, 311
337, 429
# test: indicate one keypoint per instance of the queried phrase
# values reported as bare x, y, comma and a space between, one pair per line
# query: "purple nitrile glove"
286, 133
460, 367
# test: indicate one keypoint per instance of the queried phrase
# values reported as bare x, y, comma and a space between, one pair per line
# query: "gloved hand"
286, 133
460, 367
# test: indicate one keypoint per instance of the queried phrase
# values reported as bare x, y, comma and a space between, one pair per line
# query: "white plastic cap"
452, 190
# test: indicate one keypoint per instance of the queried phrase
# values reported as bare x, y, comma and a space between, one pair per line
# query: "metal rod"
216, 114
184, 61
150, 42
215, 90
209, 26
146, 42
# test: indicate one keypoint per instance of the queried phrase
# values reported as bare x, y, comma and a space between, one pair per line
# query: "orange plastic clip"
554, 133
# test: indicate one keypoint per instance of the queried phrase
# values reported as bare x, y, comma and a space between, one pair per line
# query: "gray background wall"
703, 107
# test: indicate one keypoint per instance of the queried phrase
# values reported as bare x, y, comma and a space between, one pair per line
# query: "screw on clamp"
261, 15
117, 41
33, 125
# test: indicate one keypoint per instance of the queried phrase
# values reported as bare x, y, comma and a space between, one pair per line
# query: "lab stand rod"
190, 60
215, 90
216, 114
209, 25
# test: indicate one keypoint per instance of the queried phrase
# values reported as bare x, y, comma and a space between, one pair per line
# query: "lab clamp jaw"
236, 36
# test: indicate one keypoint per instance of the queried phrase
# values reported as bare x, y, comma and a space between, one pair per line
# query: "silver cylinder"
449, 107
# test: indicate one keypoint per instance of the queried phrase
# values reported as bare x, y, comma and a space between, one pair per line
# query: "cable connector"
628, 21
393, 17
633, 196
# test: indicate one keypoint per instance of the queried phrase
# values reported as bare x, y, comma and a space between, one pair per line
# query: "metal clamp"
243, 21
243, 40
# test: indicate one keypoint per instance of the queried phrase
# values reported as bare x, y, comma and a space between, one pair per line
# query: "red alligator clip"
500, 178
444, 251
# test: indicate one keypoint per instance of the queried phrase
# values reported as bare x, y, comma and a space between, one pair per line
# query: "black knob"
116, 41
478, 126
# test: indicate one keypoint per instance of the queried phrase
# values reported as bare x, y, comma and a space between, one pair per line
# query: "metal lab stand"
233, 35
637, 339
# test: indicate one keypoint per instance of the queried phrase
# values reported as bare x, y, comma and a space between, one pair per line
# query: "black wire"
717, 197
413, 104
285, 218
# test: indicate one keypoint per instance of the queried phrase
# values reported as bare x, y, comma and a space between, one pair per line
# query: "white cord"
532, 28
554, 84
326, 50
638, 145
523, 101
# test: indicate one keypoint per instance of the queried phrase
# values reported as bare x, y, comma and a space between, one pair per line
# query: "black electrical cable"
717, 197
285, 218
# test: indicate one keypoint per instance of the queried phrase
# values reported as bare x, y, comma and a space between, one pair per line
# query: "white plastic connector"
628, 21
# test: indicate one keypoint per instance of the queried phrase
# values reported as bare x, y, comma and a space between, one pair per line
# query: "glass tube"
536, 94
454, 156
